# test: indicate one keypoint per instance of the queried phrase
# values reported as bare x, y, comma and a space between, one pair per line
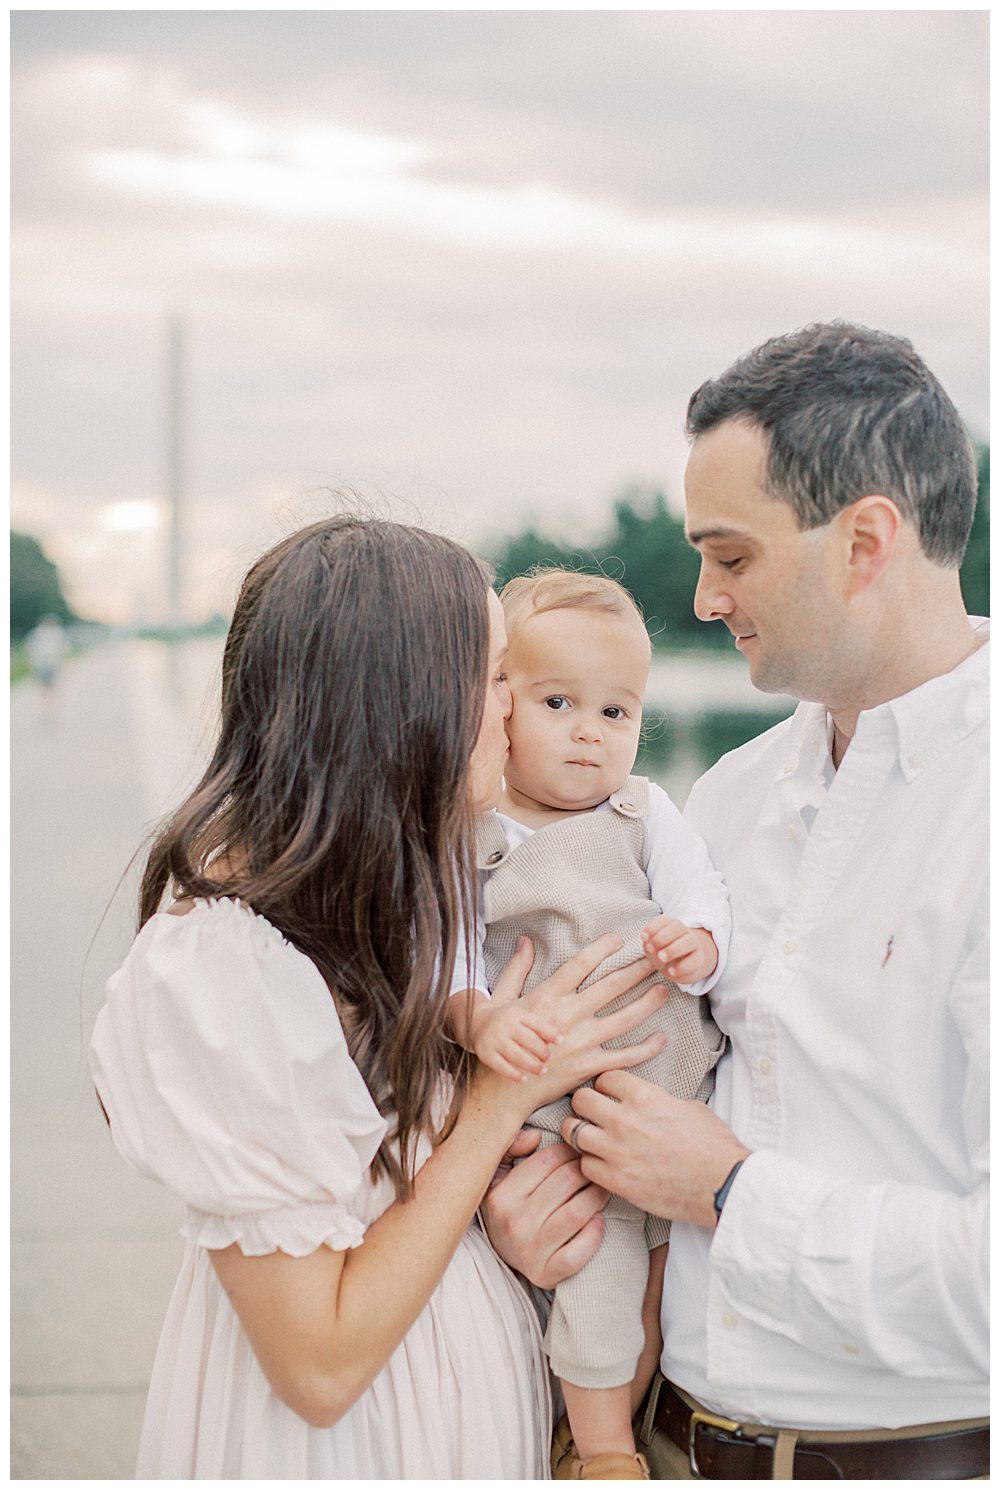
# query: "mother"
273, 1048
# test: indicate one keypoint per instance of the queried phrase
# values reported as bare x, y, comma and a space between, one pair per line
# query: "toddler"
579, 847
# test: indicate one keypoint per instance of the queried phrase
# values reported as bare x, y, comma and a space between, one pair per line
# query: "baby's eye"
556, 702
500, 678
614, 711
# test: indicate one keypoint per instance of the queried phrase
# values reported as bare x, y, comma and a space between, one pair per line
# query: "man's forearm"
889, 1275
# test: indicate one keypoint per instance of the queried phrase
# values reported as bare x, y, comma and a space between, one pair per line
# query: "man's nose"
711, 599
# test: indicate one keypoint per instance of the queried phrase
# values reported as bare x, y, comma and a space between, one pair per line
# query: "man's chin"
770, 680
766, 679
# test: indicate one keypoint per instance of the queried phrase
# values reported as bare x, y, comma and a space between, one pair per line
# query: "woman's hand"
579, 1053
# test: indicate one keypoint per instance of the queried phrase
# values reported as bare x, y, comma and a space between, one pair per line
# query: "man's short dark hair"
848, 412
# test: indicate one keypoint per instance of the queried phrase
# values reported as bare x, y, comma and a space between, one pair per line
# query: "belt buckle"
710, 1420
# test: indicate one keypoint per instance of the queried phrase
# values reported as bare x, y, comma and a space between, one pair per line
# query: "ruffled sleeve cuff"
295, 1230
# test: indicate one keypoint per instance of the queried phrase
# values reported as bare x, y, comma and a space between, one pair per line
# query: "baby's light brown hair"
563, 589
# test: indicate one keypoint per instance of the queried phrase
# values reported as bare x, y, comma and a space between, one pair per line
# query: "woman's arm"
323, 1326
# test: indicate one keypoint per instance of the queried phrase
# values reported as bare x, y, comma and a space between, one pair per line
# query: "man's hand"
544, 1218
666, 1156
685, 953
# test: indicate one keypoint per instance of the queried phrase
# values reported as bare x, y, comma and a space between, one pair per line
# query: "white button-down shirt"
846, 1284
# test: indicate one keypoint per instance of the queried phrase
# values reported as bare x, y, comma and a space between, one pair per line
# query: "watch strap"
722, 1193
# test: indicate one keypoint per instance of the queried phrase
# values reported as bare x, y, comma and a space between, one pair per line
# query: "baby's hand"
684, 953
512, 1040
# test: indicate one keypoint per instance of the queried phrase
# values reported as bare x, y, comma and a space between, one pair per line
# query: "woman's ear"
870, 530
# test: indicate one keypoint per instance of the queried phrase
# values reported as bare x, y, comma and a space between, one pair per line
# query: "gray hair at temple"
849, 412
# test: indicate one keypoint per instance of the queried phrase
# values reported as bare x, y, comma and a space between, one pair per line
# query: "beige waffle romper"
568, 884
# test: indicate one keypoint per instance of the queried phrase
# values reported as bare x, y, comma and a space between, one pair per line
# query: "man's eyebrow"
703, 534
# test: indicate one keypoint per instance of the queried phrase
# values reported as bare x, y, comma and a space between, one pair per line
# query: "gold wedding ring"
574, 1131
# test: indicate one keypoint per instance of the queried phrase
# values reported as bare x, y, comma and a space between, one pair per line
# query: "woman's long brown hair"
336, 801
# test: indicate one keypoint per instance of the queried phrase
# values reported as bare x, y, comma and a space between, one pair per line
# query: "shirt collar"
925, 722
934, 717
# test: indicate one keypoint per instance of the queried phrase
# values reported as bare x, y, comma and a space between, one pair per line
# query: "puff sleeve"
225, 1075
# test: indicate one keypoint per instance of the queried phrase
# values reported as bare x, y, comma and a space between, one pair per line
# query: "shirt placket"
839, 814
826, 821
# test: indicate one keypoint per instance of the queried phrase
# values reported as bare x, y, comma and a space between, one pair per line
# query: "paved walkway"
94, 1246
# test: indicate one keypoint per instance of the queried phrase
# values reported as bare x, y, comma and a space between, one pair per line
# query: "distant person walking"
45, 647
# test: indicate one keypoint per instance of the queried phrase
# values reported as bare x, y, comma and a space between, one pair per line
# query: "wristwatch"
722, 1193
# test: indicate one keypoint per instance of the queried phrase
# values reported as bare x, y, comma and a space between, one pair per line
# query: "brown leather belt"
720, 1449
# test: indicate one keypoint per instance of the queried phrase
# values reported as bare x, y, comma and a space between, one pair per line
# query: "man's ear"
870, 530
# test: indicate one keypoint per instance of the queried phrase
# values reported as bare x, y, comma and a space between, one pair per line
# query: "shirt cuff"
756, 1242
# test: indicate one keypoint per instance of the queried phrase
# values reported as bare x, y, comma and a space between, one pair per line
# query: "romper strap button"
495, 857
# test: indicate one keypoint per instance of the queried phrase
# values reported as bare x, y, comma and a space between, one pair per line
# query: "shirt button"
914, 762
729, 1321
788, 768
852, 1350
793, 831
790, 946
764, 1066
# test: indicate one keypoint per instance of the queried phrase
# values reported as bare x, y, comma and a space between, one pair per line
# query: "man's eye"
614, 711
556, 702
733, 564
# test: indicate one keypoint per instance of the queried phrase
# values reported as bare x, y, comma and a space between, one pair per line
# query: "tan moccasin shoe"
614, 1466
567, 1464
562, 1448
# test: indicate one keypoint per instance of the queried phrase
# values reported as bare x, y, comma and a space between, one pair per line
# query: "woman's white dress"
224, 1072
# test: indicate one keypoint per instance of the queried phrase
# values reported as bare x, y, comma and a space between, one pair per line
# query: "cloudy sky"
473, 260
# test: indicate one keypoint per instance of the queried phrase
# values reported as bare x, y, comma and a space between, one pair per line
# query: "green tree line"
646, 550
35, 587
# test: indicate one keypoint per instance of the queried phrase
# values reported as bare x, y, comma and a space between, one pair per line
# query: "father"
825, 1301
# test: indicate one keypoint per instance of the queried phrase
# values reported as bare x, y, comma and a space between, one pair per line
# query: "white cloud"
477, 259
